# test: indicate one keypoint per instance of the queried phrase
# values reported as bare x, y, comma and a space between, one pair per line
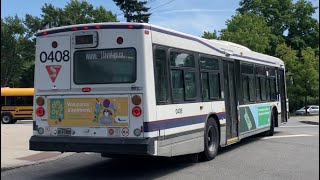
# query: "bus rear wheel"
6, 118
273, 119
211, 140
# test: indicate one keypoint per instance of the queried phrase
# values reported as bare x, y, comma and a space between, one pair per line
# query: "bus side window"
161, 80
248, 83
20, 100
29, 100
210, 78
190, 85
183, 78
245, 88
251, 89
263, 88
177, 85
11, 100
214, 84
3, 100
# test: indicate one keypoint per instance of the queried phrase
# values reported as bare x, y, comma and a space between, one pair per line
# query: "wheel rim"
6, 119
211, 139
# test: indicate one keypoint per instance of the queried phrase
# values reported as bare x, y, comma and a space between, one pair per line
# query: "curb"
25, 164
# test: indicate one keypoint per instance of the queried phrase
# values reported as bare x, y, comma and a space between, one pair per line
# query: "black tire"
211, 141
6, 118
270, 132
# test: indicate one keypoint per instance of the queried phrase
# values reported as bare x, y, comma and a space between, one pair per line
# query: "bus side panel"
183, 126
147, 78
255, 117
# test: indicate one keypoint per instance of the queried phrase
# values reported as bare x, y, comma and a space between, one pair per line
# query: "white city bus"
132, 88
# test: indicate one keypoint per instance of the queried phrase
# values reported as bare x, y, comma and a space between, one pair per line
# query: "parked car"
311, 109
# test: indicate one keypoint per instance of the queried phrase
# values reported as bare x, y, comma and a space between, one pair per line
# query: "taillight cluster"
136, 111
40, 110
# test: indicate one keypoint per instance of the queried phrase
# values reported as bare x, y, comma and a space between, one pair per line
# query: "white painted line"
299, 126
286, 136
88, 153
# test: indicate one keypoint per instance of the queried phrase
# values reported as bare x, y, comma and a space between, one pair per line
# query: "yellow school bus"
16, 104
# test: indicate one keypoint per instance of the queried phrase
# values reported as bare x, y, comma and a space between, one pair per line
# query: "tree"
293, 24
249, 30
288, 55
18, 41
303, 29
75, 12
210, 35
14, 44
302, 75
277, 14
134, 10
285, 17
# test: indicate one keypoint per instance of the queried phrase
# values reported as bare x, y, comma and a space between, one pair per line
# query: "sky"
189, 16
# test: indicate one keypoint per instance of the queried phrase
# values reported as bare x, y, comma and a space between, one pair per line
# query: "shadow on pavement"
143, 167
243, 142
310, 122
92, 166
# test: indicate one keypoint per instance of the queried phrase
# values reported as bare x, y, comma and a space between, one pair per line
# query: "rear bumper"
98, 145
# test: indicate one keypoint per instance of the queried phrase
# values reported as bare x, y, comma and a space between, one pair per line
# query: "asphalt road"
292, 153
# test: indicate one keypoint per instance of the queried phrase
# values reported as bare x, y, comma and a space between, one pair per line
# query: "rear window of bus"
107, 66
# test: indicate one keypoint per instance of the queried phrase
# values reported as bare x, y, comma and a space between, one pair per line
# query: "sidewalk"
15, 147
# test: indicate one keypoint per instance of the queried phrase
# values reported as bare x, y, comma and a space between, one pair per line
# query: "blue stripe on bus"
177, 122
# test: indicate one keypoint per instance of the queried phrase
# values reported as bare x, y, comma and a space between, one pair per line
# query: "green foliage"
293, 24
15, 54
292, 34
134, 10
210, 35
288, 55
276, 12
18, 41
303, 29
249, 30
302, 75
286, 17
75, 12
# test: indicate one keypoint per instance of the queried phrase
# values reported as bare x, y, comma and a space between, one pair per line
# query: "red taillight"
85, 27
40, 111
86, 89
98, 27
44, 33
130, 27
136, 111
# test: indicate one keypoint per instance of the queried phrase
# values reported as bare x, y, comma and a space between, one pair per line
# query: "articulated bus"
16, 104
140, 89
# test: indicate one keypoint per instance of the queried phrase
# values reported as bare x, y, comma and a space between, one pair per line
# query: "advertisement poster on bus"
253, 117
88, 111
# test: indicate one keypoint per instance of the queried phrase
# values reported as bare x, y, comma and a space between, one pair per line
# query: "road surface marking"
40, 156
299, 126
285, 136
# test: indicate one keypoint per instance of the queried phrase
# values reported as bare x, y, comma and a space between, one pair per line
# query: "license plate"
64, 131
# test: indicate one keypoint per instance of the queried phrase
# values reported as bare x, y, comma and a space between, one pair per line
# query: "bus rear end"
89, 93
